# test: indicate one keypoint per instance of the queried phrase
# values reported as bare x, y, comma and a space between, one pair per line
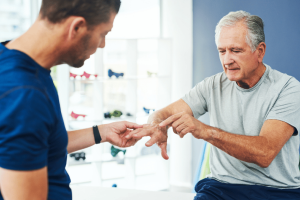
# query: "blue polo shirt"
32, 131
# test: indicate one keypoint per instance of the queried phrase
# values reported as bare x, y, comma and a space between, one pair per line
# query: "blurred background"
157, 51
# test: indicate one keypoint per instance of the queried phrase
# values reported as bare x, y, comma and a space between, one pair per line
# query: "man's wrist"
209, 133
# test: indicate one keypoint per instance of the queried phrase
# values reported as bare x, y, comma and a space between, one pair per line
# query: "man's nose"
102, 44
228, 59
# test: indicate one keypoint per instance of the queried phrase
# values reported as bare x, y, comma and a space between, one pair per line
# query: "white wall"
177, 24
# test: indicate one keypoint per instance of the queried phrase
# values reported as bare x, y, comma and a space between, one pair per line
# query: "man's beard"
75, 58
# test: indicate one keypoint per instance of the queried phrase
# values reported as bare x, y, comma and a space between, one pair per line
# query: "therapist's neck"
42, 42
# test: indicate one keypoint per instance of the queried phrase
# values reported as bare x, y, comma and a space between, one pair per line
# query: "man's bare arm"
260, 150
162, 114
25, 185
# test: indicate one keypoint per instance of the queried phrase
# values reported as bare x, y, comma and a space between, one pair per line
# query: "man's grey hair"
254, 24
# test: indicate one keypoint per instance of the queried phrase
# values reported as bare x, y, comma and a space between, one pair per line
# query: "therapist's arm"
25, 185
113, 133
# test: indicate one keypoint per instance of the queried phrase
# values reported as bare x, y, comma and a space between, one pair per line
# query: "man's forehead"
234, 36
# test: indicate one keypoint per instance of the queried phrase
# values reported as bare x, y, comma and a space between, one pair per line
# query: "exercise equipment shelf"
105, 79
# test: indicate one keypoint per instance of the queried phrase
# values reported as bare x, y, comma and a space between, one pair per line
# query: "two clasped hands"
182, 123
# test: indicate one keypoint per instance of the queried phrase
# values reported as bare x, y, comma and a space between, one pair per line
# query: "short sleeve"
287, 106
25, 125
196, 98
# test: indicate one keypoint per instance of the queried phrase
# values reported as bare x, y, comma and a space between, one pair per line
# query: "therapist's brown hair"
94, 12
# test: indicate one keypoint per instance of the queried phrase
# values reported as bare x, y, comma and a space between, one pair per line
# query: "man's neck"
40, 43
259, 72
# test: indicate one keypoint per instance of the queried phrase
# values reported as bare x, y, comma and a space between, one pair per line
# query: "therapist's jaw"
84, 40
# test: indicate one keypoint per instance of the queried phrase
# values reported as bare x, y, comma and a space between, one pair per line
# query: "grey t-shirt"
244, 111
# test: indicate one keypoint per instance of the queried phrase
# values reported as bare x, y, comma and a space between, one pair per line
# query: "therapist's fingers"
130, 142
132, 125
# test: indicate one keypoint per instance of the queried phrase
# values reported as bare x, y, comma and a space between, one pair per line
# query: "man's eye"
221, 51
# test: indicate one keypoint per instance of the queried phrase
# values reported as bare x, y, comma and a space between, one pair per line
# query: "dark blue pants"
215, 190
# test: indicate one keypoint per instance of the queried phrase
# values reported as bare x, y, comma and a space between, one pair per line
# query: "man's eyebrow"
232, 48
236, 48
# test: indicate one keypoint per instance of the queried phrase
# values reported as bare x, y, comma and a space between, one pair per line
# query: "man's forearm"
260, 150
252, 149
164, 113
158, 116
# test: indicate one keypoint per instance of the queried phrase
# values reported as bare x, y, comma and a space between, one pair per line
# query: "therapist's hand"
115, 133
158, 135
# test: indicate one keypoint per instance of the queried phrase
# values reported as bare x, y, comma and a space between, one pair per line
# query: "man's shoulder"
17, 70
277, 77
216, 80
17, 62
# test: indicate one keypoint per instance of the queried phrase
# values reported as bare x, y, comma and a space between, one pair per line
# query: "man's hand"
158, 135
115, 133
183, 123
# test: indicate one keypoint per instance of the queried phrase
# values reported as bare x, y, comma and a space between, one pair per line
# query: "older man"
33, 140
254, 115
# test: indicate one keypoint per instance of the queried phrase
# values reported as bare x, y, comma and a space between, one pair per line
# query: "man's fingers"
142, 133
180, 128
132, 133
152, 141
163, 147
183, 132
171, 119
177, 123
132, 125
174, 130
126, 133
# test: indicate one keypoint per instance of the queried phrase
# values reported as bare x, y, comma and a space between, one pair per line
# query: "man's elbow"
266, 160
264, 164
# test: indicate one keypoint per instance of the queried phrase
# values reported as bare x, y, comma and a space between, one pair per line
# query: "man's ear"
77, 27
261, 49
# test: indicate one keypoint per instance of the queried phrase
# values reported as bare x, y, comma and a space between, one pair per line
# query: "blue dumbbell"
148, 110
111, 73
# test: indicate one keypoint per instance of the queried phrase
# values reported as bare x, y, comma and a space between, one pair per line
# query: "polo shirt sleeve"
287, 106
25, 124
197, 97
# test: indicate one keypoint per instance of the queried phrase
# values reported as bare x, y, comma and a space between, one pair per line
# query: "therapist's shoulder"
18, 71
26, 105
